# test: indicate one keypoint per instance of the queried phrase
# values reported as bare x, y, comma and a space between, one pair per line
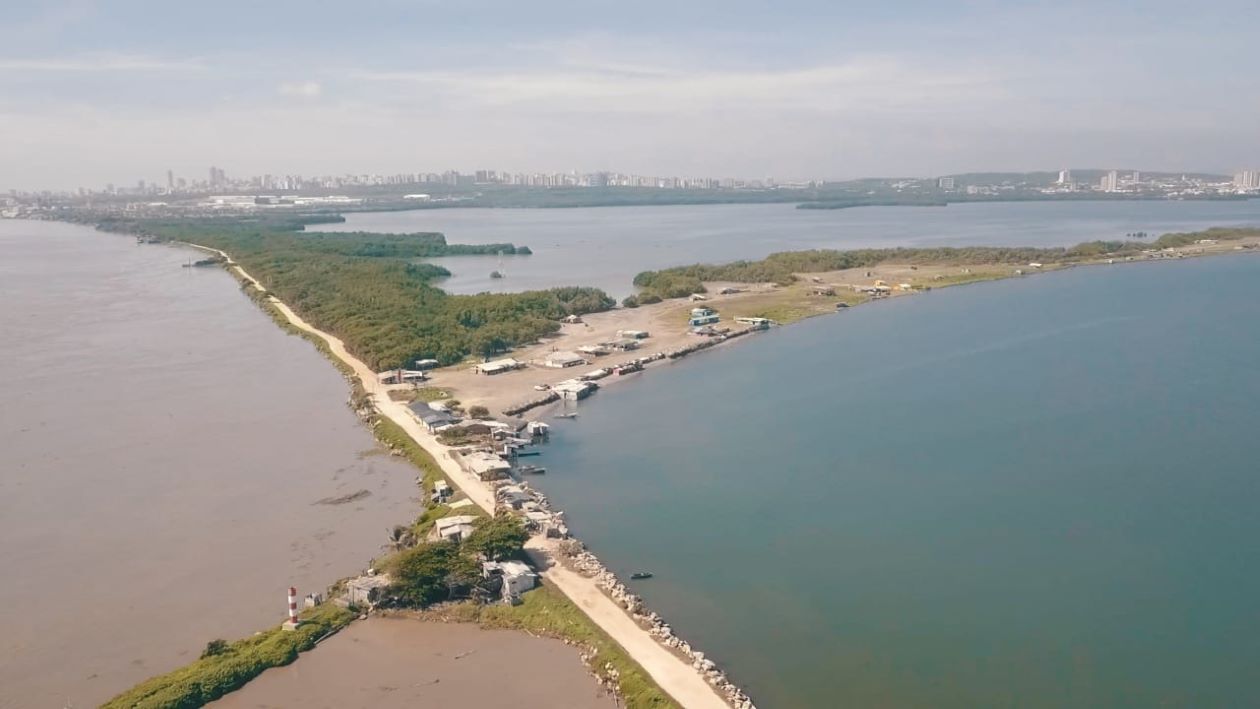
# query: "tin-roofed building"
432, 419
560, 360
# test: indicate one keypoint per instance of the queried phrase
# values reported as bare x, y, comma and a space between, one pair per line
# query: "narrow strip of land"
670, 672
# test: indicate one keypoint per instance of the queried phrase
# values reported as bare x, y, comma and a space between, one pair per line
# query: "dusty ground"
667, 321
667, 324
399, 662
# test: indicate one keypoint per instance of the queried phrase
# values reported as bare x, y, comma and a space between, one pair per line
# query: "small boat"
640, 575
530, 470
522, 454
568, 415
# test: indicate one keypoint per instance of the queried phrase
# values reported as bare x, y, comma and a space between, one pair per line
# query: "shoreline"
515, 394
582, 578
687, 684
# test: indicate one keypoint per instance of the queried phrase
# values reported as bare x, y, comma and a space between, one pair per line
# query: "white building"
366, 590
945, 183
517, 577
453, 529
573, 389
560, 360
401, 376
1247, 180
486, 466
1110, 182
498, 366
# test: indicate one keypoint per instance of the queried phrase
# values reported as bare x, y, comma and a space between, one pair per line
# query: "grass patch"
962, 279
786, 305
393, 436
211, 677
425, 394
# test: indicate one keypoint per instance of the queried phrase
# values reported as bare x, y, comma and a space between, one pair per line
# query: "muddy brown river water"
163, 448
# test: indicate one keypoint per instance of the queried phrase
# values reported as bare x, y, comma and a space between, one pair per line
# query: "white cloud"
301, 89
863, 83
99, 63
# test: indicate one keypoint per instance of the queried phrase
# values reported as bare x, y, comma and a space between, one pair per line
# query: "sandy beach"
386, 662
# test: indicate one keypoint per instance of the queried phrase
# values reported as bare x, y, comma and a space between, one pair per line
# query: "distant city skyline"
91, 92
218, 179
221, 189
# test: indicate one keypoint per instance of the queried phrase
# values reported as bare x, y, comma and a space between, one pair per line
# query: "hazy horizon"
92, 94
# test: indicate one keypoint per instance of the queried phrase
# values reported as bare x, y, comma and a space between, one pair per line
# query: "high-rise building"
218, 178
945, 183
170, 180
1247, 180
1110, 182
1065, 177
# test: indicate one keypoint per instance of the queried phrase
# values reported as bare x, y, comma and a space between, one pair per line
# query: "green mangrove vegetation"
425, 573
781, 267
225, 667
369, 290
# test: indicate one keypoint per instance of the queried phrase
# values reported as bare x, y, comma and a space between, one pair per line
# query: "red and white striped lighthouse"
292, 622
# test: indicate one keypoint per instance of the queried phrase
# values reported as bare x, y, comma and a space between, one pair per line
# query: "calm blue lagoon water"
606, 246
1037, 492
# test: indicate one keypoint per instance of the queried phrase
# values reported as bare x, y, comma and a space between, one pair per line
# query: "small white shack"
486, 466
366, 590
517, 577
573, 389
562, 359
453, 529
498, 366
401, 376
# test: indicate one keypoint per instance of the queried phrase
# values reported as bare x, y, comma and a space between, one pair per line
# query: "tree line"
781, 268
431, 572
366, 289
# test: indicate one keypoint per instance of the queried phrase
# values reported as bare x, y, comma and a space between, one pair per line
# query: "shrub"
497, 538
214, 647
432, 572
231, 666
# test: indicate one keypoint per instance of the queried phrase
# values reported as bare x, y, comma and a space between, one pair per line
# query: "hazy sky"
119, 90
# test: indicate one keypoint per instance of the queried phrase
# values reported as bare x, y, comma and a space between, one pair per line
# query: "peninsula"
373, 309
